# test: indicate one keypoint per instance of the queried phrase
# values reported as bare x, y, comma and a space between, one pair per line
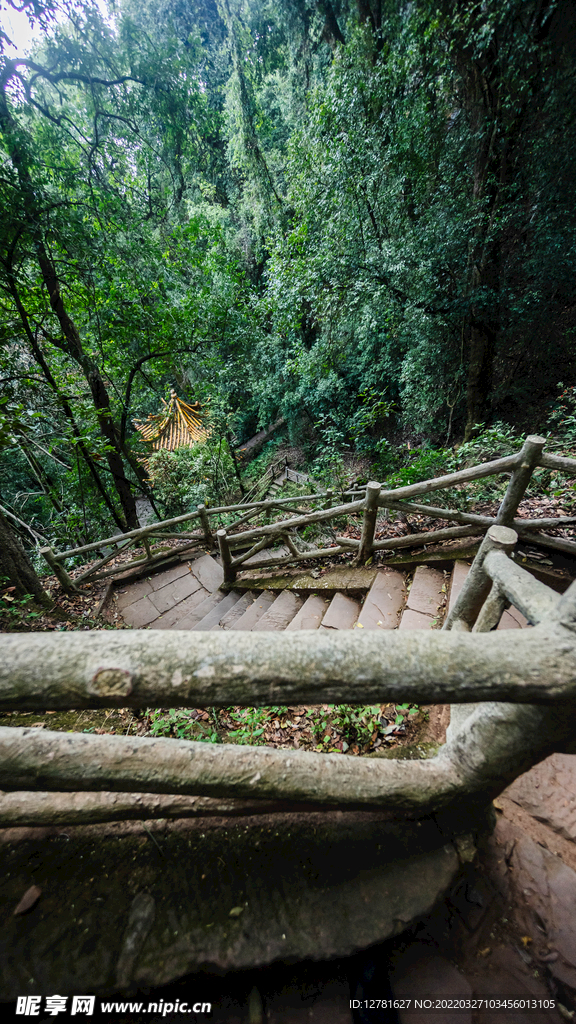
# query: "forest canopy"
357, 215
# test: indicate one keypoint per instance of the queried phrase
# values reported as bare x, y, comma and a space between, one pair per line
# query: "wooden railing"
249, 542
528, 678
513, 694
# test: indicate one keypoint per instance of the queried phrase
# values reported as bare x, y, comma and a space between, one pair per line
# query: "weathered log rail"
527, 677
520, 467
513, 694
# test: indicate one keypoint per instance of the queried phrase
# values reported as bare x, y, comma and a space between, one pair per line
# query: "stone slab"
242, 605
210, 574
121, 911
311, 613
457, 578
141, 613
340, 578
419, 972
212, 617
250, 617
342, 613
192, 618
415, 620
384, 601
169, 575
279, 614
426, 591
172, 618
543, 890
548, 793
513, 619
175, 592
132, 593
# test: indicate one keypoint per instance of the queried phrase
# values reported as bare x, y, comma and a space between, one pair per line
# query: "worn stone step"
311, 613
195, 616
131, 593
227, 621
355, 580
259, 607
384, 601
513, 619
209, 572
457, 579
279, 614
140, 613
172, 618
342, 613
424, 605
175, 591
212, 618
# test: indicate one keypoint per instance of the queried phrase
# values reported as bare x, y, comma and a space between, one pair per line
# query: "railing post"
478, 583
527, 461
205, 523
329, 497
66, 581
226, 556
369, 523
479, 607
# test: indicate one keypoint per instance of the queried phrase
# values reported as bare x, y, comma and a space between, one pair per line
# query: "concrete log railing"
527, 678
520, 466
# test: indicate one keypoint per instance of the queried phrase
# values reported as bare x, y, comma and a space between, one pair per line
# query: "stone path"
511, 929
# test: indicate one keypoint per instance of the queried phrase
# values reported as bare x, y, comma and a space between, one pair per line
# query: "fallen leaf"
29, 900
525, 940
236, 911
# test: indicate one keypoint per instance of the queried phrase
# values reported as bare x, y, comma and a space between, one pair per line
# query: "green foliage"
187, 477
289, 216
562, 419
181, 725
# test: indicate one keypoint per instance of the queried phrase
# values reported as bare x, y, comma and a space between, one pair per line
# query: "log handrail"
520, 466
492, 743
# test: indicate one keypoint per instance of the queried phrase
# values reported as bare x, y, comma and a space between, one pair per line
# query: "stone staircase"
189, 596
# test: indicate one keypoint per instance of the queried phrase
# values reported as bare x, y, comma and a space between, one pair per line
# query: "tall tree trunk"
66, 407
16, 567
71, 342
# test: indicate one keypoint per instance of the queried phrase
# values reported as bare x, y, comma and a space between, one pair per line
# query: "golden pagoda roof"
178, 426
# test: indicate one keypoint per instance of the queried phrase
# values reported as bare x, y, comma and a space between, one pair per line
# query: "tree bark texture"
187, 669
16, 567
496, 744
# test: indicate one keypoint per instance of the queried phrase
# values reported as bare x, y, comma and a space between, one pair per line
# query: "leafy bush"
188, 477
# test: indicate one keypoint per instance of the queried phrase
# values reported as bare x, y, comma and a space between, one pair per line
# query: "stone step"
172, 619
227, 621
424, 603
175, 591
457, 578
209, 572
250, 617
342, 613
511, 619
311, 613
384, 602
279, 614
211, 620
195, 616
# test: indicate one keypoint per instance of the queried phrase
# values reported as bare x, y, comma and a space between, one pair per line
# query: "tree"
16, 567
